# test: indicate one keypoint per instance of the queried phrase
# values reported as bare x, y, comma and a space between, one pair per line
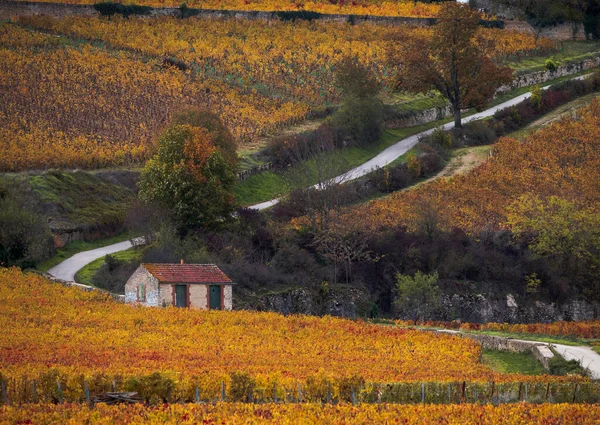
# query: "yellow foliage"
55, 331
292, 414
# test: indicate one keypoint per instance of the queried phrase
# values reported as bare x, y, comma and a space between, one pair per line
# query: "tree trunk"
457, 118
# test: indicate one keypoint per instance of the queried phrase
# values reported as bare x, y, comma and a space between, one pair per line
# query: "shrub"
414, 166
154, 389
536, 97
242, 387
559, 366
187, 12
550, 65
478, 133
357, 122
430, 163
441, 138
391, 179
113, 274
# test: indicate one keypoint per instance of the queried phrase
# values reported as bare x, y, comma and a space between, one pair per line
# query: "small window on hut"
141, 293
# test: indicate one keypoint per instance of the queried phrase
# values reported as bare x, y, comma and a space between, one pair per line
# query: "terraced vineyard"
258, 78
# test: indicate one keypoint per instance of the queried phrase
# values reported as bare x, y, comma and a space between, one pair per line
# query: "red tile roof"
187, 273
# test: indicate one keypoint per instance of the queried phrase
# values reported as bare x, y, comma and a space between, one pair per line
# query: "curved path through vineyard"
68, 268
400, 148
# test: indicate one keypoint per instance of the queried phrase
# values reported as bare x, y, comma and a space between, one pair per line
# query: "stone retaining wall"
520, 81
540, 350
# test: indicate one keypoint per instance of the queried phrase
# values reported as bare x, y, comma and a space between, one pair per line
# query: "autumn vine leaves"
361, 7
559, 161
258, 78
292, 414
50, 327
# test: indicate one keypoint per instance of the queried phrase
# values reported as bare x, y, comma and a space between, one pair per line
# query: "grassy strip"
76, 247
272, 184
507, 362
571, 52
86, 274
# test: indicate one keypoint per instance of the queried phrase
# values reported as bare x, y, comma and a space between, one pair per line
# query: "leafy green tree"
417, 296
564, 233
355, 79
359, 117
192, 177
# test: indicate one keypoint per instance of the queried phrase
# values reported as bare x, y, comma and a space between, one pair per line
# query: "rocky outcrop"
479, 308
346, 302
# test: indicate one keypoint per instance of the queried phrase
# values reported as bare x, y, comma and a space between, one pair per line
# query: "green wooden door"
181, 296
215, 297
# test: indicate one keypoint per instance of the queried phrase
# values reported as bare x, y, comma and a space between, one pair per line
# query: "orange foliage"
291, 414
47, 326
295, 59
358, 7
67, 104
86, 107
561, 160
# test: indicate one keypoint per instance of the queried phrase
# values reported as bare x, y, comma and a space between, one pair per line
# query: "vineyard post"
275, 392
500, 394
575, 392
223, 391
353, 397
35, 397
464, 392
547, 390
4, 392
197, 394
520, 391
60, 392
88, 399
474, 392
449, 393
299, 393
526, 392
328, 393
422, 392
114, 386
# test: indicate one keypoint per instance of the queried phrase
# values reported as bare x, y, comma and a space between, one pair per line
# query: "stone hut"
182, 285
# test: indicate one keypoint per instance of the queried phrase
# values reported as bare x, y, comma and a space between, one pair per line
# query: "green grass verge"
81, 198
273, 184
570, 52
86, 274
506, 362
268, 185
76, 247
